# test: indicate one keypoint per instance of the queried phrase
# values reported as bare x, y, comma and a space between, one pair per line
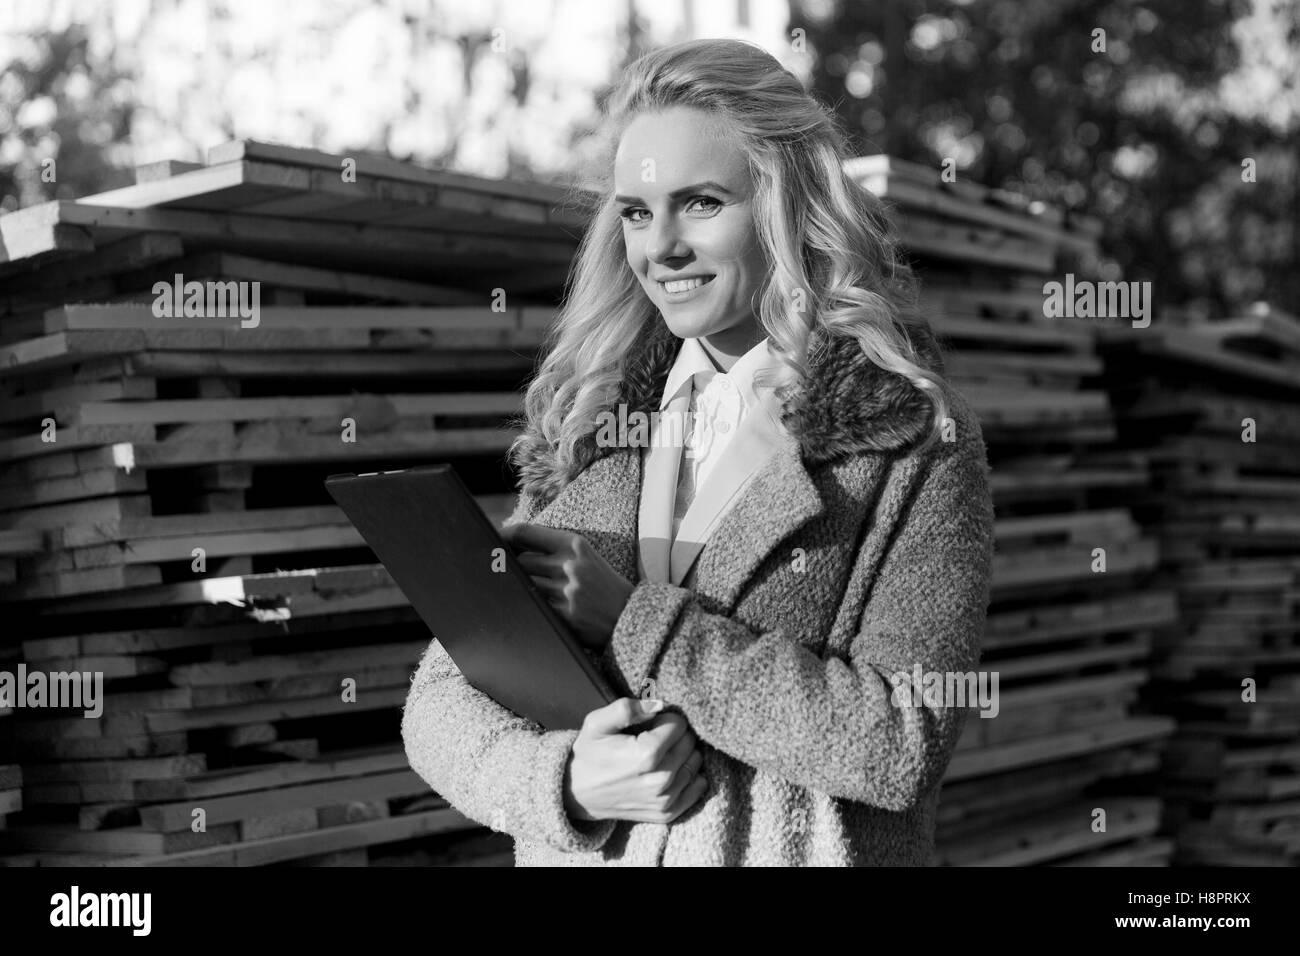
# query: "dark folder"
441, 550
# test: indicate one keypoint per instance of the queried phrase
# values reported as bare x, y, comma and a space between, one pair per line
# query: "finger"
535, 537
537, 564
552, 589
688, 797
665, 730
686, 773
615, 717
678, 753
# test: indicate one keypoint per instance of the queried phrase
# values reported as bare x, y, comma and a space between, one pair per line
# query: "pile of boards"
1062, 774
1214, 407
163, 518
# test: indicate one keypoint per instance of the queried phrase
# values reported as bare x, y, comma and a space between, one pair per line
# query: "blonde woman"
808, 526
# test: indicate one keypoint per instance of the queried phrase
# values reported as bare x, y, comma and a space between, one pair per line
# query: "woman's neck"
725, 348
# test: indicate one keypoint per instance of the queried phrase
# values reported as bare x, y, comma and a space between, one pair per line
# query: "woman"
817, 531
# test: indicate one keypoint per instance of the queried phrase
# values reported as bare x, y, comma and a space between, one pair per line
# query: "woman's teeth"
685, 285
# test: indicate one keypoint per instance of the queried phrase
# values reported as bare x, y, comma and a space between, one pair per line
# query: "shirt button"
724, 384
724, 427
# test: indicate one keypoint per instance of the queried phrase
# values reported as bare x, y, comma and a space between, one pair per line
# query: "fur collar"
847, 406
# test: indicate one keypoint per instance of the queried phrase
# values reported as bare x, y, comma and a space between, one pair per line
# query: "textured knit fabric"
850, 557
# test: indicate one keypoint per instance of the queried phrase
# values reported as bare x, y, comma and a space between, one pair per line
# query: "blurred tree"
57, 102
1023, 94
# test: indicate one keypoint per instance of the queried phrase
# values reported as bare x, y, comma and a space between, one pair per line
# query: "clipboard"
463, 580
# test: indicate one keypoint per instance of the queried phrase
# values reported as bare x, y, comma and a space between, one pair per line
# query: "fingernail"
653, 705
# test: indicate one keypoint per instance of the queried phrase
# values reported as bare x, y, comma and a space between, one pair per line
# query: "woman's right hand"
648, 777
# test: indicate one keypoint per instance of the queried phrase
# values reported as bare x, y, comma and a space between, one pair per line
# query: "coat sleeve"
495, 767
830, 724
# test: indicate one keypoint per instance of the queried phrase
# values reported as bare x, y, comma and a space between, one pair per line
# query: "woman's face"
685, 196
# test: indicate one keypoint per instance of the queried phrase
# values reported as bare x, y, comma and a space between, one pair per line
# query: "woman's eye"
714, 204
628, 214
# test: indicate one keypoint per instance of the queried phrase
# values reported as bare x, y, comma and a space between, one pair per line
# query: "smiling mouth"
685, 285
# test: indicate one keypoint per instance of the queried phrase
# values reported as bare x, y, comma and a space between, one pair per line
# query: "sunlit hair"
832, 252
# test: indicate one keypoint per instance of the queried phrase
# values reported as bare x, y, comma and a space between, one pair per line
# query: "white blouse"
713, 432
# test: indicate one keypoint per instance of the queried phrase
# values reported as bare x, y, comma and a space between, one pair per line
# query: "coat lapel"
779, 500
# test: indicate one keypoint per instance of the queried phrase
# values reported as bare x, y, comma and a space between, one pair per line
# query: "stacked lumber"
1069, 637
163, 520
1215, 408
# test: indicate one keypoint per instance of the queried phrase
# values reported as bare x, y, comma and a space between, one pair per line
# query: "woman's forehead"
661, 152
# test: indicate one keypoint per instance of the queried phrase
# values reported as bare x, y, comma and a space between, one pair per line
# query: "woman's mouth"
683, 288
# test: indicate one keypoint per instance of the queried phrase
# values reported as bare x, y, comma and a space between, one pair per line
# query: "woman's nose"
664, 241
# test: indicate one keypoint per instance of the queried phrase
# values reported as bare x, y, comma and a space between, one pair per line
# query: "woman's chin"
687, 329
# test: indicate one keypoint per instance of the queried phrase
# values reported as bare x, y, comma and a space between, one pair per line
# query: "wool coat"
850, 558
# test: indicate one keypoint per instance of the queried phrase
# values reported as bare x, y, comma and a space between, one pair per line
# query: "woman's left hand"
575, 578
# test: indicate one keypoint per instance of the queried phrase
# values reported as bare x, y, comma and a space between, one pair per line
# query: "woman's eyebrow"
685, 190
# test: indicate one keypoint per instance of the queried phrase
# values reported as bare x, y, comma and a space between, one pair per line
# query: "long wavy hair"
833, 254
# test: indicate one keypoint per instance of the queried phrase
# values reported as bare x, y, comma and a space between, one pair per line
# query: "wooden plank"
78, 512
141, 745
383, 167
273, 710
163, 169
456, 358
161, 550
925, 235
36, 234
1055, 622
51, 491
125, 840
182, 525
1058, 833
1062, 661
292, 190
170, 817
70, 583
467, 317
87, 414
289, 688
1021, 335
939, 202
1188, 347
72, 436
1081, 526
989, 760
1073, 562
14, 541
148, 768
133, 252
289, 275
238, 232
272, 443
203, 182
70, 347
329, 840
221, 783
38, 404
268, 667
